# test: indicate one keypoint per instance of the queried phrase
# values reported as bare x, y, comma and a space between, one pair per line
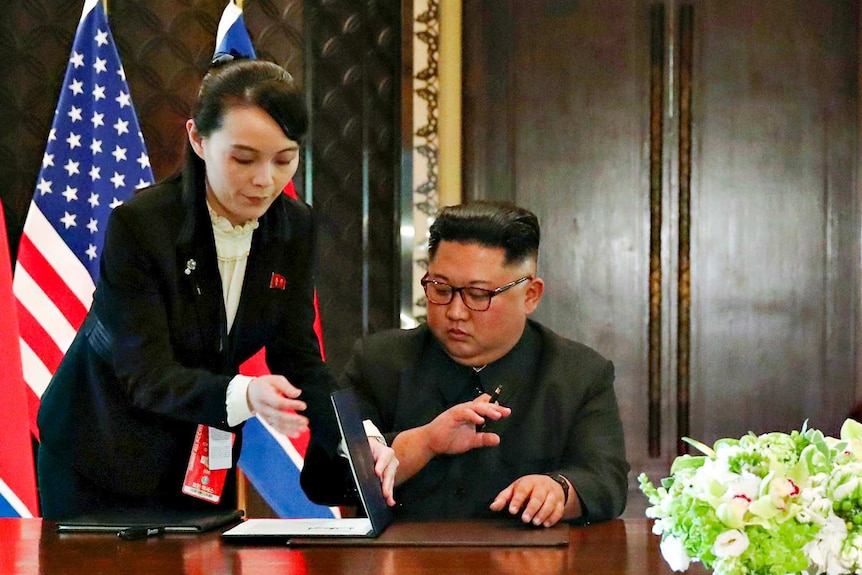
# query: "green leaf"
702, 447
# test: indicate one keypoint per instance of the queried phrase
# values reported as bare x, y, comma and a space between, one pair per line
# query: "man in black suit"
488, 412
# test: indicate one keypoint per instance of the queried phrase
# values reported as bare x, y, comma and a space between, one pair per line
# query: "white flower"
797, 496
674, 553
781, 489
825, 550
804, 516
853, 552
848, 486
731, 543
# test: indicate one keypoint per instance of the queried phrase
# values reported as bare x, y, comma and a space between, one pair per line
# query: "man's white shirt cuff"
370, 431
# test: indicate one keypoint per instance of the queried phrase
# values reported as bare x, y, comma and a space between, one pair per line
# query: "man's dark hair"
490, 224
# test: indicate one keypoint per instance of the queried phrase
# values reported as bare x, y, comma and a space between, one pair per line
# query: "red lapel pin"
277, 281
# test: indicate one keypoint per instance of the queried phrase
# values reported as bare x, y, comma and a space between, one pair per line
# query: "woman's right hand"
274, 399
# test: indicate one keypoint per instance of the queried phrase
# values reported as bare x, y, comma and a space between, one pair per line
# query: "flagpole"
237, 2
105, 5
241, 491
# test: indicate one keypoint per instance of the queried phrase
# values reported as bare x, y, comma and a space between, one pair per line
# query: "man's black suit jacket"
565, 419
153, 359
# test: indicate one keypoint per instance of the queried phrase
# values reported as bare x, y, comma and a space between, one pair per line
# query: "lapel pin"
190, 267
277, 281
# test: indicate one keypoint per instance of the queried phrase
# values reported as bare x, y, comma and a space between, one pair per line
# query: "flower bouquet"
772, 504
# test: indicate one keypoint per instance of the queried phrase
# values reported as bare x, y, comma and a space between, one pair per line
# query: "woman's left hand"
274, 399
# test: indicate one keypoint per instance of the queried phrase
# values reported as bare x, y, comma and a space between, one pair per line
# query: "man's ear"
534, 294
195, 139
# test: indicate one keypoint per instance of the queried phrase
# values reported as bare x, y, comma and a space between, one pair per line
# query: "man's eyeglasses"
474, 298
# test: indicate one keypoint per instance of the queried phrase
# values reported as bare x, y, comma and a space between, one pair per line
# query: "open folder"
378, 514
507, 531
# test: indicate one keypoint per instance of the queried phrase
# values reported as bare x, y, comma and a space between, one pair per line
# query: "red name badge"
201, 481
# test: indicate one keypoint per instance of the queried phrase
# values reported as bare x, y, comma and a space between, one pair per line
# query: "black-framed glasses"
477, 299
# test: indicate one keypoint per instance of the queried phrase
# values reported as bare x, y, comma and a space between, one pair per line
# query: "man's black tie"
477, 384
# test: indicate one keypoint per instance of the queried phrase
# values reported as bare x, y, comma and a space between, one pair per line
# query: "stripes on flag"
273, 461
94, 160
11, 505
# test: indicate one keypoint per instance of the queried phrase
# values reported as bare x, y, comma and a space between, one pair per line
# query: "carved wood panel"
354, 74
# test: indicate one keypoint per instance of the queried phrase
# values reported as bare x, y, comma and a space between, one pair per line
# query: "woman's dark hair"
490, 224
250, 83
240, 83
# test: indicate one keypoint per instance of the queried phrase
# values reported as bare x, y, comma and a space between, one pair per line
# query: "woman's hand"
274, 399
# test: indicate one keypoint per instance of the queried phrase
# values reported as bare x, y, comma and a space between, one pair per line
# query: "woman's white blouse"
233, 244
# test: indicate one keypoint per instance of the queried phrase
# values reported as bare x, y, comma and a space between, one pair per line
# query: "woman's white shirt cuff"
236, 400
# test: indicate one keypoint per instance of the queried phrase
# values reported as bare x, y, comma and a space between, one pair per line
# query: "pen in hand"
493, 399
132, 533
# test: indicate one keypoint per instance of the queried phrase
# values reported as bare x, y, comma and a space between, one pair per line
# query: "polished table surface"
32, 546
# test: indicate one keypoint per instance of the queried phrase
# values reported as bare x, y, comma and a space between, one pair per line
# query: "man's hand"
454, 430
538, 498
451, 432
274, 399
385, 466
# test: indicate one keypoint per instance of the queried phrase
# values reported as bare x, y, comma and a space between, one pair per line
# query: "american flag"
270, 460
94, 160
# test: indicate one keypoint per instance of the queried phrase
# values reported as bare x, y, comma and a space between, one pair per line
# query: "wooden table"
33, 547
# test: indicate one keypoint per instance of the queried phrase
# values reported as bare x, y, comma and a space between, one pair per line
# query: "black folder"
168, 521
477, 533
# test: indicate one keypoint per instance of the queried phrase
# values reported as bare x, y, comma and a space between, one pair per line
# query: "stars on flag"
95, 148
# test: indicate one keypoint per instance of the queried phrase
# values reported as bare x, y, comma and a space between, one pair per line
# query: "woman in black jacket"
198, 273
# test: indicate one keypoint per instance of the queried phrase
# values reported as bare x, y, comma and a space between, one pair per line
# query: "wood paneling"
776, 233
354, 77
759, 230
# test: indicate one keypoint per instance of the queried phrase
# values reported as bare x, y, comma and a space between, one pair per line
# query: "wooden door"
694, 170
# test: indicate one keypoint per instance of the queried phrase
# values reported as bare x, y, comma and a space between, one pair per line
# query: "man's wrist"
372, 431
563, 483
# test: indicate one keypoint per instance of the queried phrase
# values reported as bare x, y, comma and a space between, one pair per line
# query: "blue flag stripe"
272, 471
